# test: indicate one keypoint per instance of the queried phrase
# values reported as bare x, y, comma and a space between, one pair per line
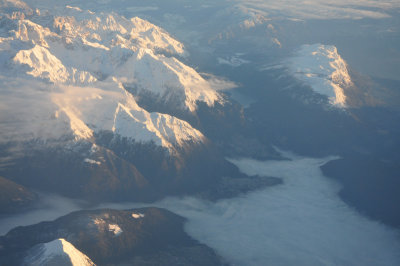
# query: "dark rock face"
61, 170
150, 235
118, 169
370, 185
14, 197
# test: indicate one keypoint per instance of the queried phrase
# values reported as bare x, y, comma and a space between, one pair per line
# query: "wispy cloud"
323, 9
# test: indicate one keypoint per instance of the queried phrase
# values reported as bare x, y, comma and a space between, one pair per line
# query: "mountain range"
135, 104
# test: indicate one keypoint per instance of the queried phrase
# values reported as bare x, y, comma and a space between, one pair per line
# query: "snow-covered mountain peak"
81, 47
171, 80
57, 252
47, 66
87, 59
109, 107
324, 70
31, 32
112, 30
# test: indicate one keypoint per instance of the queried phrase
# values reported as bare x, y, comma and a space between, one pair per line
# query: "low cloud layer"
301, 222
324, 9
52, 207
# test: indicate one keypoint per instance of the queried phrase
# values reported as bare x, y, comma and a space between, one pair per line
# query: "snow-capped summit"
57, 252
167, 78
109, 30
324, 70
79, 47
86, 60
109, 107
47, 66
85, 41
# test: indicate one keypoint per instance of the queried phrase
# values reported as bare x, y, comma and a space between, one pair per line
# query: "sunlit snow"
115, 229
137, 215
81, 66
59, 247
322, 68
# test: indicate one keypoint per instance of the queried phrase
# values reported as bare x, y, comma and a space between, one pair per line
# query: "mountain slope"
14, 197
172, 81
88, 59
146, 236
57, 252
323, 69
82, 47
73, 80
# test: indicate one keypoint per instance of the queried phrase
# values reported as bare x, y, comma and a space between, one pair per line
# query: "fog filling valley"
301, 222
110, 101
51, 207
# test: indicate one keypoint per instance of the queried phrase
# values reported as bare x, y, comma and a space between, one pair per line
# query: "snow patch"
137, 215
74, 7
98, 221
115, 229
90, 161
233, 61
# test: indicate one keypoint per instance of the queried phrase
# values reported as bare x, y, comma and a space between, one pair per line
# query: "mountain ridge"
88, 57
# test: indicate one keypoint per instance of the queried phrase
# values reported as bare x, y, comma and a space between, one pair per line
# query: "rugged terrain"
148, 236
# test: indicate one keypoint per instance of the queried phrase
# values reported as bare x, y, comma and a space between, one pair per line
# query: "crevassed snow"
323, 69
52, 251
